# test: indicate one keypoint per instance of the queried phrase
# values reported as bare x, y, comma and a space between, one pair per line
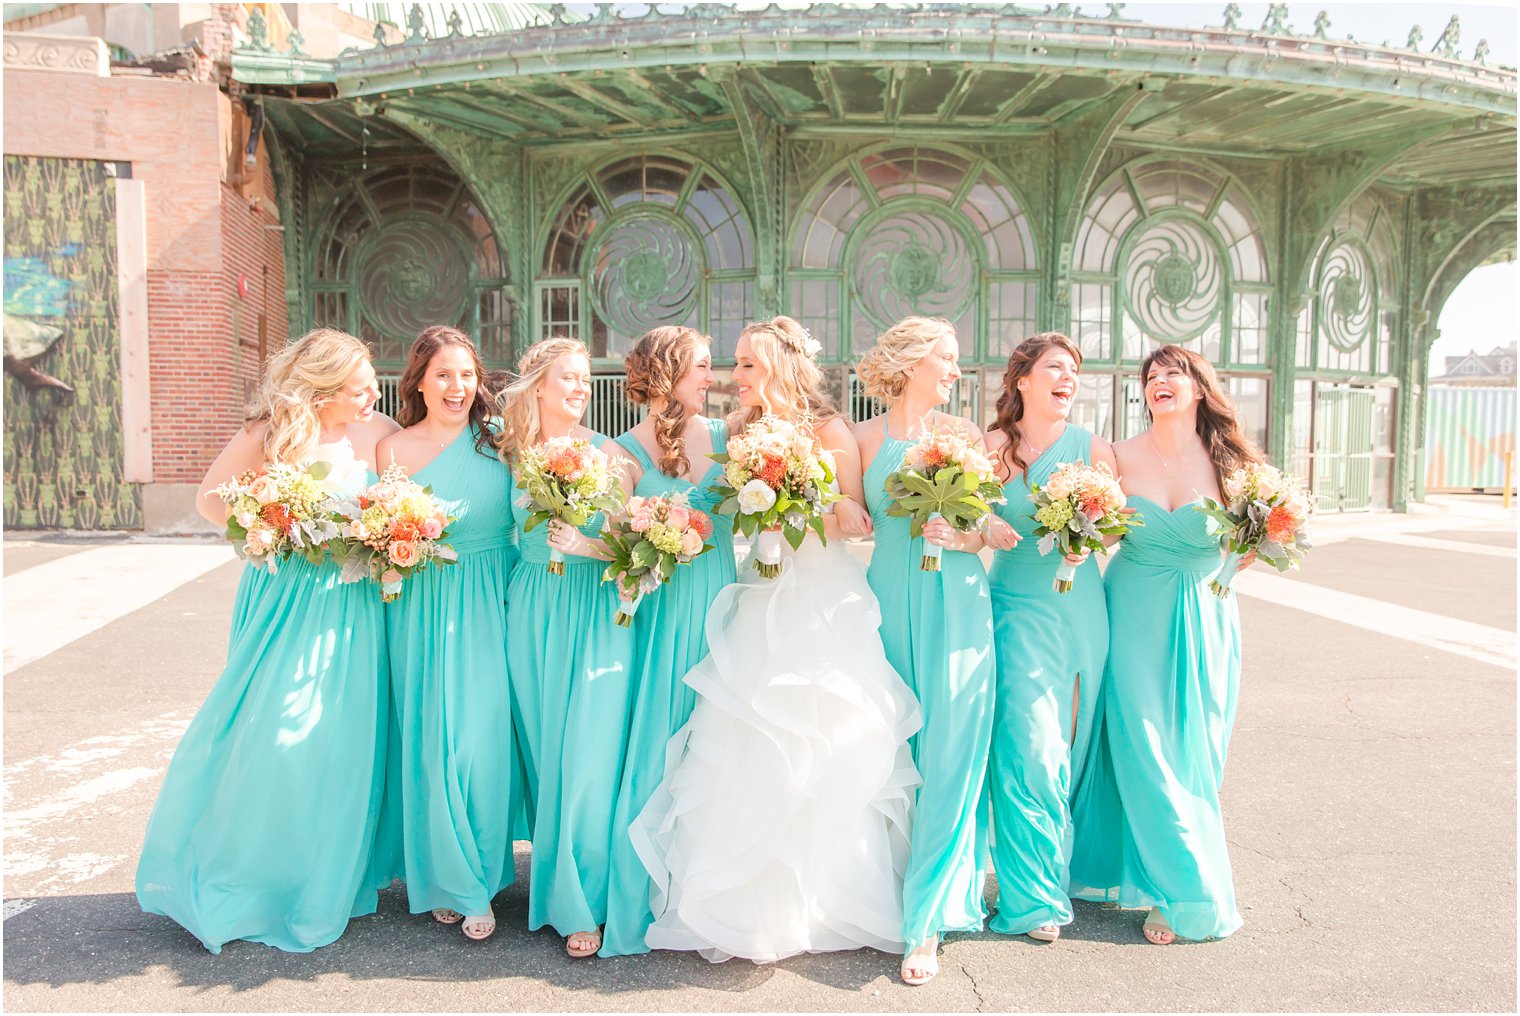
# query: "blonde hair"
298, 381
882, 369
791, 385
655, 364
519, 400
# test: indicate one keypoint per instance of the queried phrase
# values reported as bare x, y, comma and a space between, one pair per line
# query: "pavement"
1370, 806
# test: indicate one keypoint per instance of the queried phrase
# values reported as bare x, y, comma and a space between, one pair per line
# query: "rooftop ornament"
1322, 25
1446, 45
416, 23
258, 31
1277, 20
1480, 55
1416, 36
1232, 17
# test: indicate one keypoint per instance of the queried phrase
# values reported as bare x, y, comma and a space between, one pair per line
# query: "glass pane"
815, 303
1303, 428
1093, 407
1250, 397
1091, 320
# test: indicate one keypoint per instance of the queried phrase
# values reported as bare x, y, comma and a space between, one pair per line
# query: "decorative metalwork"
1480, 55
1451, 36
258, 30
914, 262
646, 271
1173, 280
1277, 20
1231, 17
1348, 297
412, 273
416, 24
1322, 25
296, 41
1416, 36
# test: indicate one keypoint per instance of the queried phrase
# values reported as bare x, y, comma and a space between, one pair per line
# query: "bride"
782, 823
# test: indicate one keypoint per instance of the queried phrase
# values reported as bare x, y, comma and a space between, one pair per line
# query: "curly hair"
519, 399
1010, 404
298, 381
882, 369
791, 385
655, 364
1218, 423
414, 410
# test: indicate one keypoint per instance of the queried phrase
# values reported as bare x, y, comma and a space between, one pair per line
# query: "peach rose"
691, 543
432, 529
264, 490
404, 553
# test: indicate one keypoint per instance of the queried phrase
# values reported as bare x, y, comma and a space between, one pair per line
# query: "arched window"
408, 247
1170, 252
647, 241
910, 230
1348, 322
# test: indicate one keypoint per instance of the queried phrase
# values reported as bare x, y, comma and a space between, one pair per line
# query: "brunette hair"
414, 410
1218, 423
882, 369
1010, 404
655, 364
519, 400
298, 381
792, 386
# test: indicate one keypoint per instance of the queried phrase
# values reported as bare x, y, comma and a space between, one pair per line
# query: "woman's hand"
1078, 557
853, 519
943, 534
999, 535
1246, 562
568, 540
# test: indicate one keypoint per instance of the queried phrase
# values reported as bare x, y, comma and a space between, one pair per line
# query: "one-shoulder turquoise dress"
571, 669
937, 631
1148, 825
1046, 643
459, 777
265, 824
670, 636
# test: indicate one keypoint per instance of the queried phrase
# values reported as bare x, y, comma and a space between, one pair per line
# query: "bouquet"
943, 477
657, 534
776, 482
1076, 507
1264, 511
392, 529
566, 478
278, 510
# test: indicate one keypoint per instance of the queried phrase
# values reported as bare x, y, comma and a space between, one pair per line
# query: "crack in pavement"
981, 1002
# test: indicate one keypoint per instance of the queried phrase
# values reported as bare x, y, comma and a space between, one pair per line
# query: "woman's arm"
244, 452
849, 517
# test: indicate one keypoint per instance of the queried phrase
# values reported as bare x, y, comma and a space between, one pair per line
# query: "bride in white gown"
782, 824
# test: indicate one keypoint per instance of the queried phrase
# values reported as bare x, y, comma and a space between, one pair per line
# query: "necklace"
1156, 450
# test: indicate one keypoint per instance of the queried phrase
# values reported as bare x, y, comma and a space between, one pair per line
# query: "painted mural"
63, 449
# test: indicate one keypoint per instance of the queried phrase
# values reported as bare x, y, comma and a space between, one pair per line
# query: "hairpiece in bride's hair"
806, 345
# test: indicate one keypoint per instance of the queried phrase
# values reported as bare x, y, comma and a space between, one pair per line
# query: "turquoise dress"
267, 818
937, 631
1148, 826
1045, 640
458, 774
571, 673
670, 636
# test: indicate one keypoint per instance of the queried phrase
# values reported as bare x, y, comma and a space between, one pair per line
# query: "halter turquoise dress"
1045, 640
458, 767
266, 821
669, 639
1148, 825
571, 673
937, 631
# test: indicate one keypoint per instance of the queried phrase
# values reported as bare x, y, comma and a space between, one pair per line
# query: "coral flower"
773, 471
701, 523
406, 531
1282, 523
277, 516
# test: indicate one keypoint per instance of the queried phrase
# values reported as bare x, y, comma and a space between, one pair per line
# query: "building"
1495, 368
1294, 205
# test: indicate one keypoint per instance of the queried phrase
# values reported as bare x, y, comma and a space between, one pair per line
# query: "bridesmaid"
669, 370
265, 824
1149, 830
937, 630
570, 665
1050, 646
447, 632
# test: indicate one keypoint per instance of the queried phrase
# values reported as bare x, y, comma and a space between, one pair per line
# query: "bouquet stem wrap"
932, 551
626, 610
1220, 587
1066, 576
768, 553
556, 563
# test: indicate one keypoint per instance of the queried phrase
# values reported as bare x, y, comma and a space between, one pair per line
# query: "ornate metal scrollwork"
645, 271
1347, 297
412, 273
1174, 279
915, 262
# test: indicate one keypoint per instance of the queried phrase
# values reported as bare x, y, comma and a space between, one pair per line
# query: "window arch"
1348, 322
1169, 251
908, 230
646, 241
405, 248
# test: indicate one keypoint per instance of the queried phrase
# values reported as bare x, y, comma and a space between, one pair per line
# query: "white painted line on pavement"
1426, 542
56, 602
14, 907
1479, 642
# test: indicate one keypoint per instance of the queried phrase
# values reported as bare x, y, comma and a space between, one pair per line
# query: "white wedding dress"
782, 824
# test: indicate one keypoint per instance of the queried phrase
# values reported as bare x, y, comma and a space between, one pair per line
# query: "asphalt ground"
1370, 803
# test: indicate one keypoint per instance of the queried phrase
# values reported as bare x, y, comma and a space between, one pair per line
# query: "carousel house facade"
1294, 205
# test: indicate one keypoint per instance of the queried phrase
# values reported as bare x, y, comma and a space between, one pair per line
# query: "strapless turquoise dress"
937, 631
458, 764
571, 671
1046, 643
267, 819
1148, 826
670, 636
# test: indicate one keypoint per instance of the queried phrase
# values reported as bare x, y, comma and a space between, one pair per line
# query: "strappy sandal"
924, 960
1156, 930
589, 943
480, 927
444, 916
1045, 933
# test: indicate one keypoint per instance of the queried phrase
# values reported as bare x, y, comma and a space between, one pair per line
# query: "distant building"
1493, 369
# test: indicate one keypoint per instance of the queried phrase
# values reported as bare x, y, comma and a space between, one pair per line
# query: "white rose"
1266, 484
755, 497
